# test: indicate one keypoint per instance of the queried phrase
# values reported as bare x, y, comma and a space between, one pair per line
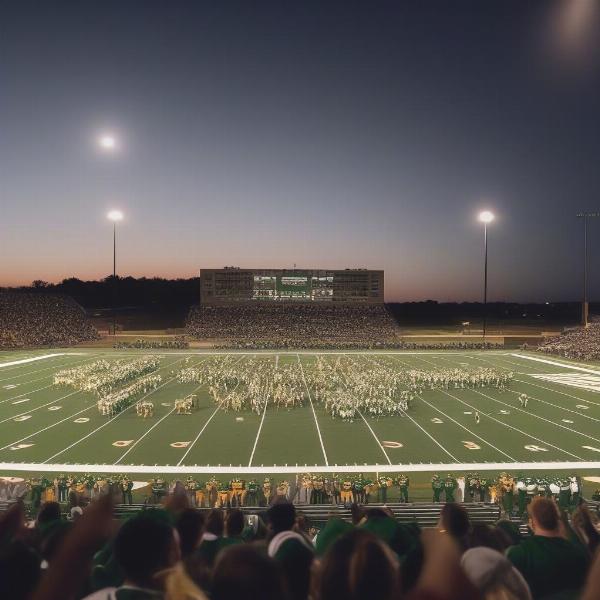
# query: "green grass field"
50, 428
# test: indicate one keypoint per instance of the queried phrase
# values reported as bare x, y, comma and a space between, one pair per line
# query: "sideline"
24, 361
275, 469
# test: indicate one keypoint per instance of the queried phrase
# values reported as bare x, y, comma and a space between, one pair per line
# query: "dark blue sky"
326, 134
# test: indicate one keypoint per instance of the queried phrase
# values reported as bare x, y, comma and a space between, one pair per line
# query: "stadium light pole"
485, 217
584, 306
115, 216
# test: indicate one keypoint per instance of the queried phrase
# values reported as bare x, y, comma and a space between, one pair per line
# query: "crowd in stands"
579, 344
31, 319
177, 343
293, 326
179, 553
297, 326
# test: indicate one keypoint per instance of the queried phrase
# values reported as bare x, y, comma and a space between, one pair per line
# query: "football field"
44, 427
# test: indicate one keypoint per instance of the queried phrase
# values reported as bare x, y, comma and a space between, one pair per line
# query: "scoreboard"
233, 285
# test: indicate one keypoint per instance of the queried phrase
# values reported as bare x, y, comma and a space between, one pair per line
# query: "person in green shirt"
437, 485
450, 486
550, 563
403, 484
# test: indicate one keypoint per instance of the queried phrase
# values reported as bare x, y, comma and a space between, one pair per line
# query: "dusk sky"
326, 134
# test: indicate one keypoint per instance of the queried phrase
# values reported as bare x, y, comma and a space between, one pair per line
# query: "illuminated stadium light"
107, 142
486, 216
115, 215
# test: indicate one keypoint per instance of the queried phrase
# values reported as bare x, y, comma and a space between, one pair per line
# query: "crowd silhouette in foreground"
179, 553
31, 319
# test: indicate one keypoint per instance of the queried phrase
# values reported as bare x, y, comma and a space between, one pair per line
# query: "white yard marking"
377, 439
313, 410
559, 407
24, 361
190, 446
586, 381
55, 368
552, 466
506, 424
420, 397
91, 433
466, 428
591, 448
31, 435
422, 429
155, 425
525, 433
539, 416
262, 420
27, 412
555, 363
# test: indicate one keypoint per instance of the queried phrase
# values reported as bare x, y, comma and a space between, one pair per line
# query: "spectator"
290, 549
494, 575
189, 525
454, 519
145, 546
28, 319
358, 566
242, 572
549, 562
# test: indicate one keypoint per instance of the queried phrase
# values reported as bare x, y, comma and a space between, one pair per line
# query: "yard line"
157, 423
262, 420
376, 438
536, 385
537, 416
432, 438
556, 363
33, 381
205, 426
557, 392
39, 407
502, 422
313, 410
53, 367
559, 407
525, 433
466, 429
17, 364
31, 435
237, 470
85, 437
209, 419
27, 393
441, 412
143, 436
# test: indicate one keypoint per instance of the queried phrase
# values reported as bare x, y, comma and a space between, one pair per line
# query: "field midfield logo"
471, 445
535, 448
389, 444
122, 443
180, 444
